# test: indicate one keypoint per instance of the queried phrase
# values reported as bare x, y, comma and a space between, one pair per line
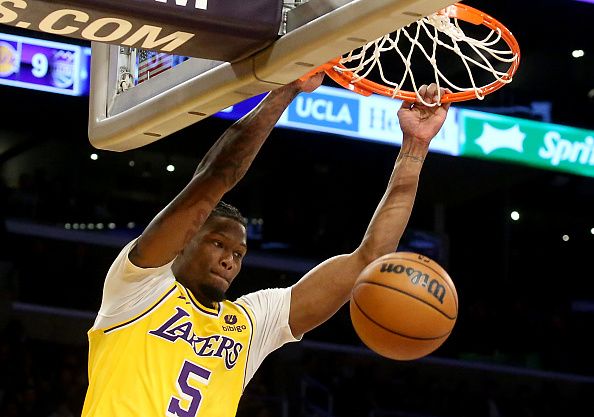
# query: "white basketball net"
363, 60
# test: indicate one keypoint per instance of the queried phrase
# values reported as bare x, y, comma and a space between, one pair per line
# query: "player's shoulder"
265, 301
268, 294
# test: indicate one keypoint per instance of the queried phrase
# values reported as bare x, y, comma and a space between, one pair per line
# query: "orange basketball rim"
353, 77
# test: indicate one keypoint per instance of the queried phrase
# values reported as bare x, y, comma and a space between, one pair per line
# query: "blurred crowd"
39, 378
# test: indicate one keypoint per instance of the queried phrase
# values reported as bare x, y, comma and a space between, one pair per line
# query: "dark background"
526, 296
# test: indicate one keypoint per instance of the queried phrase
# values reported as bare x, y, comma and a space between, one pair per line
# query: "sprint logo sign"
559, 150
527, 142
332, 113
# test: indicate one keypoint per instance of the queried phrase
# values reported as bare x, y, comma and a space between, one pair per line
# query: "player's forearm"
393, 212
338, 275
231, 156
318, 295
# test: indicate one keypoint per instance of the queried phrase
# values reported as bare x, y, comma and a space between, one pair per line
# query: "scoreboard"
44, 65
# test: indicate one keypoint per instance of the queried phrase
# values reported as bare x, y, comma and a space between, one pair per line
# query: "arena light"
578, 53
170, 168
515, 216
592, 231
565, 238
94, 156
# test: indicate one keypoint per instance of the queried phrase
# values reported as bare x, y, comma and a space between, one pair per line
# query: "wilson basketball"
403, 306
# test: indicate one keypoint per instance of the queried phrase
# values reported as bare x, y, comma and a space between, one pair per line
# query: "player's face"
212, 260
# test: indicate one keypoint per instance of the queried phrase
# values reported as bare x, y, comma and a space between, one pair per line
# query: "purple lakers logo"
178, 327
230, 319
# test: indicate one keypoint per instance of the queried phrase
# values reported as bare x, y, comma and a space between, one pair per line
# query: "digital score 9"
40, 65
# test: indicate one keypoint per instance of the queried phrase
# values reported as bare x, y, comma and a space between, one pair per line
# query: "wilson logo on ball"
417, 277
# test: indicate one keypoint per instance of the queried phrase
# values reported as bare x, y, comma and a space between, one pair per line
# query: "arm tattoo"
413, 157
234, 160
234, 152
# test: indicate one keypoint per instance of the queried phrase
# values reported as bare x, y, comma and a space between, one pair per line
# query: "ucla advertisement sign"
374, 118
526, 142
327, 111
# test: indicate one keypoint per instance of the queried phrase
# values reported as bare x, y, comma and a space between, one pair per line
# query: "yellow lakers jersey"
177, 358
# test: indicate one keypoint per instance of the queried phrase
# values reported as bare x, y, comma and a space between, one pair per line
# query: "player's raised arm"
218, 172
322, 291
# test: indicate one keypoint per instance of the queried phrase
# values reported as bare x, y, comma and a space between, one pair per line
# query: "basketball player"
166, 342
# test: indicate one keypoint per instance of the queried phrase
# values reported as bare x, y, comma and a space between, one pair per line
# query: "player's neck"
198, 294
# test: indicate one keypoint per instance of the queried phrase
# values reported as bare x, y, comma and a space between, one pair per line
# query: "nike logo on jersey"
178, 327
181, 297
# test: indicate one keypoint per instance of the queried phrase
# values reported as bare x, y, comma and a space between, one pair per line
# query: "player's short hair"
223, 209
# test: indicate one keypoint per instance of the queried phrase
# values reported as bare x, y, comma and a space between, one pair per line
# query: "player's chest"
223, 337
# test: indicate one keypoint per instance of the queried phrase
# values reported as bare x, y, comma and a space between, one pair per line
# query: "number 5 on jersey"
189, 371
